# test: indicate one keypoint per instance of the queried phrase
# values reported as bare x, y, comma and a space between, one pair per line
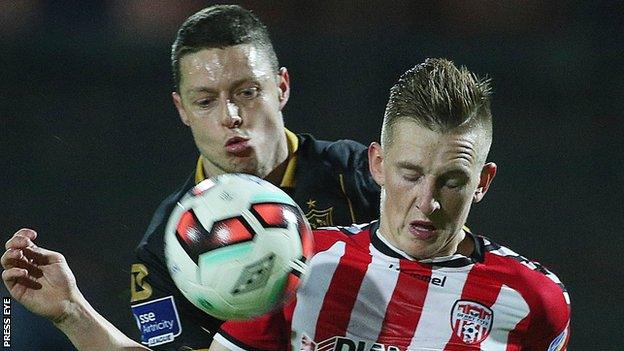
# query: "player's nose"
427, 202
230, 115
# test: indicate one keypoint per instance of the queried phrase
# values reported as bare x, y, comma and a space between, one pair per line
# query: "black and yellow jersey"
331, 183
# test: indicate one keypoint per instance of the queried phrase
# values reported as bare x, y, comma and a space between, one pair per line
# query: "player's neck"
277, 174
282, 157
466, 246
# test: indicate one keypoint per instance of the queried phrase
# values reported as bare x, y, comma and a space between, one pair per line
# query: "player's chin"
248, 164
418, 252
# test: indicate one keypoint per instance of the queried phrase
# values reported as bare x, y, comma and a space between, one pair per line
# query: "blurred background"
90, 141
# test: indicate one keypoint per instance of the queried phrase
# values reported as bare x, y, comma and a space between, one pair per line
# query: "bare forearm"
90, 331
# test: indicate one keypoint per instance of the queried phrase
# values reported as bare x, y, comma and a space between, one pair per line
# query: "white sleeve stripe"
227, 343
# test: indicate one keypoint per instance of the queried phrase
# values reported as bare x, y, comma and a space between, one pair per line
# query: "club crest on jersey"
471, 321
319, 218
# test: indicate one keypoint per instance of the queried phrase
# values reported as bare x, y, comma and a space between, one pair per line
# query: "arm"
88, 330
42, 281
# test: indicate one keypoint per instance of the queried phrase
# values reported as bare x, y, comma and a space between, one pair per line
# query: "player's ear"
485, 179
375, 162
283, 86
177, 101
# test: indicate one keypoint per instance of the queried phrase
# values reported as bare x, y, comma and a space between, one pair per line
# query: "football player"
416, 279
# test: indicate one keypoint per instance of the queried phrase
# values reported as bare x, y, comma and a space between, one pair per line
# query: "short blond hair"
439, 96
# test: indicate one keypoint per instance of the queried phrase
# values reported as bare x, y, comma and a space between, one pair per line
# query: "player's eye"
204, 102
412, 177
454, 183
248, 94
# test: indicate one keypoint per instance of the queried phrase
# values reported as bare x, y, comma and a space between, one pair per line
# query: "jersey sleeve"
165, 318
267, 332
549, 328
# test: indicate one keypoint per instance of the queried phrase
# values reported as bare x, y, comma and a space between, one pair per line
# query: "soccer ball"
236, 246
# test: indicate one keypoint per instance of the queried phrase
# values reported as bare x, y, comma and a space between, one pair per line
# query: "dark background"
90, 141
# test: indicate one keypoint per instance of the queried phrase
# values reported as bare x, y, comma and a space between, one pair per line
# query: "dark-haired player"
414, 280
230, 91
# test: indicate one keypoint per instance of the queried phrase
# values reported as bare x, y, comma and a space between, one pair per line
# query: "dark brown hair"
220, 26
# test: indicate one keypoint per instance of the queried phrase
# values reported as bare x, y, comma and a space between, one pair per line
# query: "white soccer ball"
236, 246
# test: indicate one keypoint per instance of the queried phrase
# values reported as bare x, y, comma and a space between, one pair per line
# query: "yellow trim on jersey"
288, 181
344, 191
139, 289
199, 170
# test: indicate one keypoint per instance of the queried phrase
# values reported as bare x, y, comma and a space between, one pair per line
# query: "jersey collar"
455, 260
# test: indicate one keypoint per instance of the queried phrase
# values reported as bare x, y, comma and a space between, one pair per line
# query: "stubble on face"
425, 170
220, 74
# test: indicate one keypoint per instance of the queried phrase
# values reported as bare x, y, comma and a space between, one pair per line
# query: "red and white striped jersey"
361, 295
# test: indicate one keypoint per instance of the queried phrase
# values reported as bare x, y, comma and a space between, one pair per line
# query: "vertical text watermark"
6, 322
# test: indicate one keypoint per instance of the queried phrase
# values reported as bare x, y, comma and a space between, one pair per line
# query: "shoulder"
340, 152
546, 296
153, 239
536, 278
346, 161
308, 140
337, 172
326, 237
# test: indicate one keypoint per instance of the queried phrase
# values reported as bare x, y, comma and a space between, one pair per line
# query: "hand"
39, 279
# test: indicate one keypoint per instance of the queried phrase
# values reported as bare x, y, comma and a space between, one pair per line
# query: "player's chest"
370, 302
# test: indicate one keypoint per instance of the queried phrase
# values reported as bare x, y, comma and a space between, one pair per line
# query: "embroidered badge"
471, 321
319, 218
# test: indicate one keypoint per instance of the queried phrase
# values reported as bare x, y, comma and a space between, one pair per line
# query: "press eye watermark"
6, 322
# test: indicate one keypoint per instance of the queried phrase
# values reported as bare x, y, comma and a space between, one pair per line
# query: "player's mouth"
238, 145
423, 230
